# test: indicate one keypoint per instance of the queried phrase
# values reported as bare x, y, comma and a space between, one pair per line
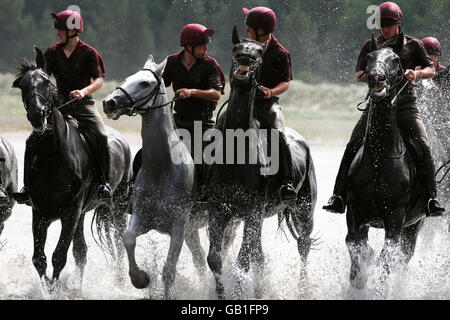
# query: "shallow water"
427, 276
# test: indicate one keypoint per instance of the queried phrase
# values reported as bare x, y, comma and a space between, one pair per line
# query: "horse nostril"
110, 104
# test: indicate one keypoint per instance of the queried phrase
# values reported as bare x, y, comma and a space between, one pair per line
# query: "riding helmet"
195, 34
62, 21
261, 18
432, 46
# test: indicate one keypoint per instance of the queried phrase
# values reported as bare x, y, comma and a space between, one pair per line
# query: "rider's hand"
79, 94
184, 93
410, 74
267, 92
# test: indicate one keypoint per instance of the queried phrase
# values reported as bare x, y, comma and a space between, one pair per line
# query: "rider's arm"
90, 89
210, 94
277, 90
425, 73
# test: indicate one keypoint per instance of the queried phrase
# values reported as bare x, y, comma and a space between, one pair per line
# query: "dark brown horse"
243, 189
384, 189
62, 183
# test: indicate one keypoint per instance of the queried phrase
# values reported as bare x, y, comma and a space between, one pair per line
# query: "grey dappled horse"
8, 182
63, 182
239, 191
165, 183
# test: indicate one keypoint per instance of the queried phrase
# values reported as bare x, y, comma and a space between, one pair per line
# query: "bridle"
136, 107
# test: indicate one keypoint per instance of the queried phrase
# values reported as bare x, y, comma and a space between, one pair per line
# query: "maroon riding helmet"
195, 34
432, 46
261, 18
68, 20
390, 13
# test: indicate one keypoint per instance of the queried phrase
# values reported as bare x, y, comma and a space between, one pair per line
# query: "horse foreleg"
69, 224
198, 254
216, 230
170, 267
389, 256
79, 249
40, 226
356, 241
139, 278
409, 239
251, 246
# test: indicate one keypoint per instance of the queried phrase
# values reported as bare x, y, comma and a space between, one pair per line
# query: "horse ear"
16, 83
150, 63
160, 68
236, 38
373, 44
40, 59
398, 46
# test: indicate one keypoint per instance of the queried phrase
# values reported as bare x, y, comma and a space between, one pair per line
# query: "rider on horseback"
442, 78
198, 80
275, 76
79, 70
413, 54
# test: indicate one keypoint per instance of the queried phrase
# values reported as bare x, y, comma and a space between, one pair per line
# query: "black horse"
62, 182
384, 189
241, 190
8, 182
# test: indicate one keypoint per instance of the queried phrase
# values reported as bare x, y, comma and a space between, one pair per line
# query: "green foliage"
323, 36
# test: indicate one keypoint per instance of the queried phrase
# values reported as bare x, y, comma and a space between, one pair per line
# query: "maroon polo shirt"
411, 56
276, 66
205, 74
76, 71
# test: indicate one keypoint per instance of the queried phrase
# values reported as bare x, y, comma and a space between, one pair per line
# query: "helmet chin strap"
69, 37
192, 52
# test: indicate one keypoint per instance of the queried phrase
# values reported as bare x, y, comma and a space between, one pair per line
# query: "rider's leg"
22, 197
411, 125
270, 117
336, 203
88, 117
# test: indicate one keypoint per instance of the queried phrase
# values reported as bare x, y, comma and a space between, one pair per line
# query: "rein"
138, 109
440, 168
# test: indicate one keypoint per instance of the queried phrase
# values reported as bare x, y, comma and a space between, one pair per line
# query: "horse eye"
145, 83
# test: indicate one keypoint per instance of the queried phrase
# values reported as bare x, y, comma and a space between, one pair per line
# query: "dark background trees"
323, 36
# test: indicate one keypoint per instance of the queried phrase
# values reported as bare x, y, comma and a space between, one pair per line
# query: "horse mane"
25, 66
30, 65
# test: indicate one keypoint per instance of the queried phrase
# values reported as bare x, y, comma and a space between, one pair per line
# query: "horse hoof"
140, 279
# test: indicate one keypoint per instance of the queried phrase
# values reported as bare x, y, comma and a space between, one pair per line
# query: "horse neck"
157, 130
238, 110
383, 137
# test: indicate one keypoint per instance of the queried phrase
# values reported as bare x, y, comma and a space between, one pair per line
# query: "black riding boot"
23, 196
434, 207
104, 191
287, 191
336, 204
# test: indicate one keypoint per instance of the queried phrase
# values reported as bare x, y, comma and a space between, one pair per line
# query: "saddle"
88, 142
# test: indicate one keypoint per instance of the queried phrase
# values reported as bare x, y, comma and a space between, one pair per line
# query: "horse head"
384, 71
246, 61
136, 93
37, 90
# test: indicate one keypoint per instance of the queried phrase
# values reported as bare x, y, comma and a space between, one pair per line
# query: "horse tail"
102, 235
300, 214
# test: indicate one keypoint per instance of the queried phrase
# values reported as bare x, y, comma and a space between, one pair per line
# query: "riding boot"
104, 191
287, 191
23, 196
336, 203
434, 207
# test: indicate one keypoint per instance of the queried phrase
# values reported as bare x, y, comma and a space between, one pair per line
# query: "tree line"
323, 36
